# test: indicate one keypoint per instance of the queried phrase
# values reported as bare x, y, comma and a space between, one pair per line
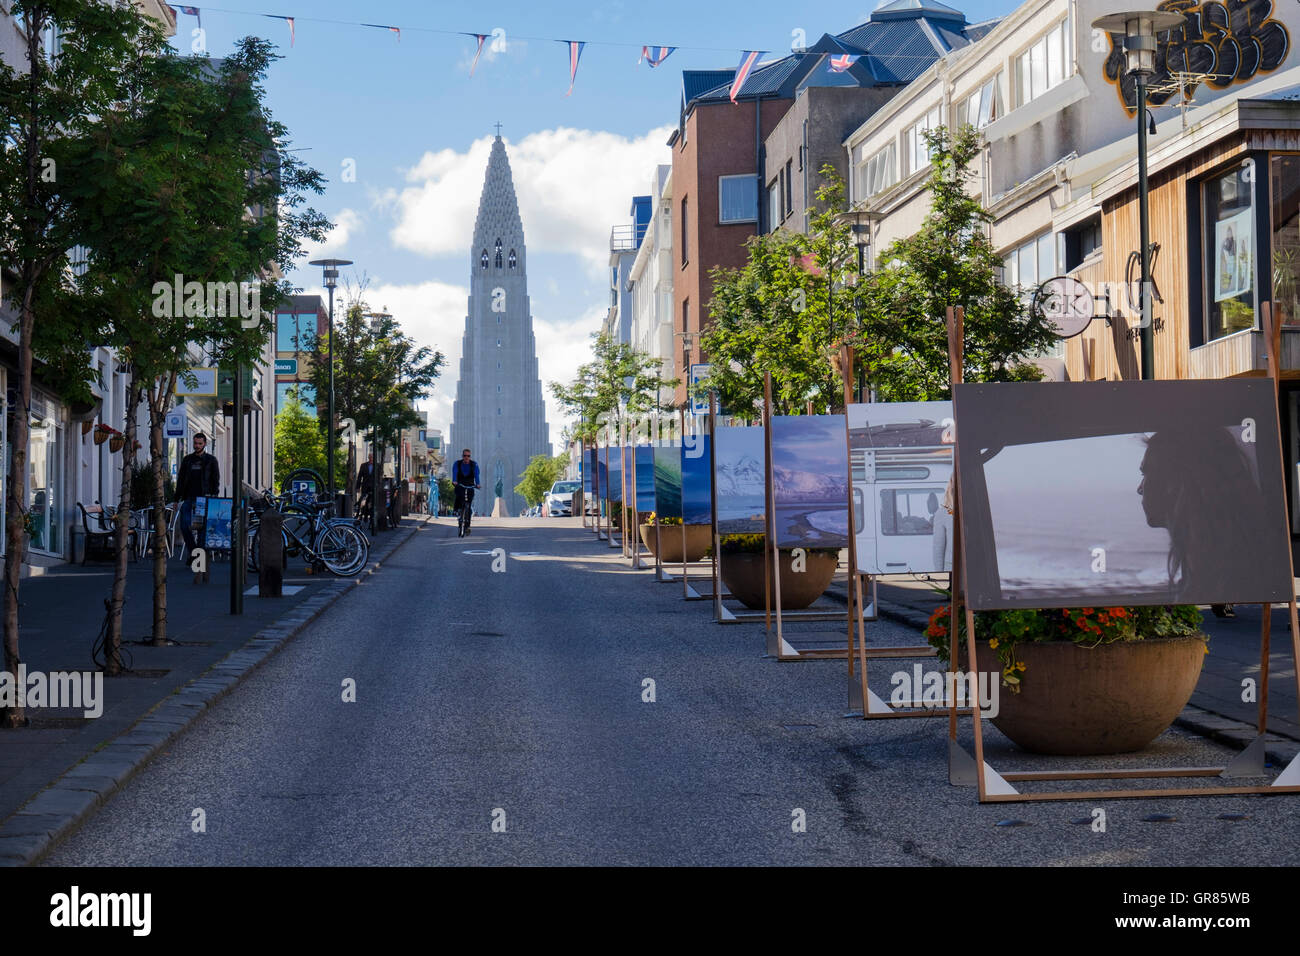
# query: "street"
502, 718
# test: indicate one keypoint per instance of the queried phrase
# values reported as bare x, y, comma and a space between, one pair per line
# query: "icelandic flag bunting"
654, 55
479, 52
841, 63
288, 20
747, 61
384, 26
575, 52
191, 12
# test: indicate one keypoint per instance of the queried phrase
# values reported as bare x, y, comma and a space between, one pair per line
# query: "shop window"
1229, 242
1081, 242
1284, 188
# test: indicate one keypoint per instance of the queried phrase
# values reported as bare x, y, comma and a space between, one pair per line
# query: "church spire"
498, 225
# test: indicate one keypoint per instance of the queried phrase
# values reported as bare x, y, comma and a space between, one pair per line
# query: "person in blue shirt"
465, 475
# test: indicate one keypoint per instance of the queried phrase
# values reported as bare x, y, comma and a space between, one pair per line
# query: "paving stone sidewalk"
57, 771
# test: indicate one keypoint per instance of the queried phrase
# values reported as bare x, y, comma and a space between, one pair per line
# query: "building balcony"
1242, 353
622, 238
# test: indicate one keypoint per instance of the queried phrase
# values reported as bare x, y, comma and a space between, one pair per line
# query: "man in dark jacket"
198, 475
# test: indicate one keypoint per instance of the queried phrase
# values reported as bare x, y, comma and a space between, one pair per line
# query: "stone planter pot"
1111, 699
743, 576
670, 537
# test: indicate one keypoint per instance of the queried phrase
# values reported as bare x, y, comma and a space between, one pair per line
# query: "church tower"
499, 413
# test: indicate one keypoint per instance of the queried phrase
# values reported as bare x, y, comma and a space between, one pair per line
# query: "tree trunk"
16, 499
114, 650
160, 391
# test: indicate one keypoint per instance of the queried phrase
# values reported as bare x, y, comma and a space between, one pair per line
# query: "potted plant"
102, 432
670, 538
804, 577
1090, 680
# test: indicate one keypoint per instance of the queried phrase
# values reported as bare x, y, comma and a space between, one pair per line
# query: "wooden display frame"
994, 787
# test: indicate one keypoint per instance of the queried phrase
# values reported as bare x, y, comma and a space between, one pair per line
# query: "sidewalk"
1216, 709
60, 615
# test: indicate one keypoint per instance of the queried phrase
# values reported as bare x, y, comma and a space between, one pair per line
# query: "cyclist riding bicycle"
465, 475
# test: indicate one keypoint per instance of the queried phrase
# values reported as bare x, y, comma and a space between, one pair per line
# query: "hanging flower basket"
101, 434
115, 443
86, 427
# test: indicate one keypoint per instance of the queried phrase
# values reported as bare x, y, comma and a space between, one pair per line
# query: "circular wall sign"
1066, 303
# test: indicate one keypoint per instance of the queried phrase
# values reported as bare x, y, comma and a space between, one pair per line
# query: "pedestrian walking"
199, 475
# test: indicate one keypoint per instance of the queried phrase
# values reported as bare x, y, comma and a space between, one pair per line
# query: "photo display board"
616, 455
902, 462
589, 472
212, 523
741, 477
668, 480
1141, 493
645, 478
810, 467
697, 467
602, 474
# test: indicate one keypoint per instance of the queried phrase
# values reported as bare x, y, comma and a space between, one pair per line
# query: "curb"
64, 805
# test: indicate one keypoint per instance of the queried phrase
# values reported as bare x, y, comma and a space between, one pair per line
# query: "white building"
651, 280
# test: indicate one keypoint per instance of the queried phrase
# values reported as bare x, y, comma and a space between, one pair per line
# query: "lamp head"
1139, 29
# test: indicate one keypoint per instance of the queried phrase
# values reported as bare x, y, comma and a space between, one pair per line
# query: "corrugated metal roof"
695, 82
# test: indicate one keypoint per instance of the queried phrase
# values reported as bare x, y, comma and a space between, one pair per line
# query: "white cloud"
346, 224
572, 184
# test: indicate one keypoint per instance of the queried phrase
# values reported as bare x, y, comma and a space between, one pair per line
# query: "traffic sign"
699, 402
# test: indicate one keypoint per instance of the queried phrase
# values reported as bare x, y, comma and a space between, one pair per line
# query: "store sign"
175, 425
1066, 303
286, 366
204, 382
699, 401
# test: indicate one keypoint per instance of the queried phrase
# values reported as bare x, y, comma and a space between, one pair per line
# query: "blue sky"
416, 127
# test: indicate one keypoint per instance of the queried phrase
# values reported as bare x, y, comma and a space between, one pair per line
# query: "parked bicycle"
310, 531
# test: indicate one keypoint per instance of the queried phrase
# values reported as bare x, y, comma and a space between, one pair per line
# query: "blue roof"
900, 41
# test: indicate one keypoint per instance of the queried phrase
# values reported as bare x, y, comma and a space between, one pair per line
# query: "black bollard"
270, 547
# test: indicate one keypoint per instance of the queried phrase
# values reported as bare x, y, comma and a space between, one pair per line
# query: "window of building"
513, 260
1229, 243
498, 410
773, 203
788, 192
916, 153
484, 259
1284, 190
498, 256
1030, 264
737, 199
498, 388
981, 107
878, 172
295, 333
685, 249
1081, 241
1043, 66
498, 343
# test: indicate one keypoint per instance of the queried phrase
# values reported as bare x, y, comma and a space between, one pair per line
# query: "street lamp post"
331, 280
1139, 29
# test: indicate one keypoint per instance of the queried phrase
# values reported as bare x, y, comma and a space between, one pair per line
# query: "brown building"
720, 170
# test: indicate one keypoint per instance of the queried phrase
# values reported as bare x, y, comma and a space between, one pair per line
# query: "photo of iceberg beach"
810, 466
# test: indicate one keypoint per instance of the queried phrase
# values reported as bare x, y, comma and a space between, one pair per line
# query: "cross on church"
498, 130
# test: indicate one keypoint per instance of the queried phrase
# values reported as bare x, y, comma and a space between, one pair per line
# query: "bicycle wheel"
343, 550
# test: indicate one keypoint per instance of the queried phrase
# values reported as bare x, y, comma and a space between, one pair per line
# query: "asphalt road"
516, 699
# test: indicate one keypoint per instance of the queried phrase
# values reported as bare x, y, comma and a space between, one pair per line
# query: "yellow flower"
993, 643
1020, 666
1207, 648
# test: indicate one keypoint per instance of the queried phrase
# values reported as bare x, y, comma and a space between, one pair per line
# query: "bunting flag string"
654, 55
190, 12
479, 52
747, 61
385, 26
288, 20
575, 53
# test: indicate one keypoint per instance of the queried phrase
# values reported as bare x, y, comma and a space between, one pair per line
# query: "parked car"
559, 500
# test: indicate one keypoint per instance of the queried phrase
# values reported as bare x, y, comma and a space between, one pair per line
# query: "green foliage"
542, 472
142, 486
785, 312
447, 492
753, 544
299, 440
618, 380
948, 262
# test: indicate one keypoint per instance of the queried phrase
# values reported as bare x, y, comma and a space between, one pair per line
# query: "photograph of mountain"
741, 479
810, 467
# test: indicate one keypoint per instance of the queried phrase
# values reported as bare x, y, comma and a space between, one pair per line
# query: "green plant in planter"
665, 522
753, 544
1086, 626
